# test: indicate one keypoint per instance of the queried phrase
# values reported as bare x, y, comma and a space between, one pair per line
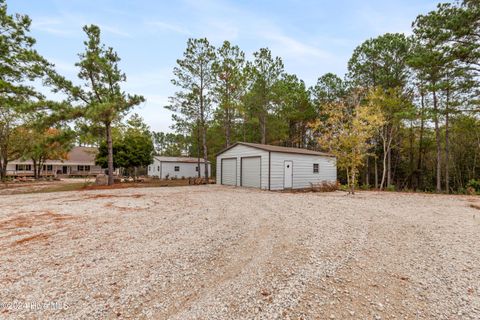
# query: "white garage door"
251, 172
229, 171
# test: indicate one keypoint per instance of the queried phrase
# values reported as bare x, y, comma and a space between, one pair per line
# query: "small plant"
473, 185
365, 187
390, 187
471, 191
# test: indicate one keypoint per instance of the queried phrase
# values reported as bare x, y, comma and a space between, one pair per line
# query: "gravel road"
212, 252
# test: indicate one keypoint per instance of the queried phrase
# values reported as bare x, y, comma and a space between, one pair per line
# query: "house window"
158, 168
196, 168
23, 167
83, 168
47, 167
177, 168
315, 168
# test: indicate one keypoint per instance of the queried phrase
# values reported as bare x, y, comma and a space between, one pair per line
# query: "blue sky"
312, 37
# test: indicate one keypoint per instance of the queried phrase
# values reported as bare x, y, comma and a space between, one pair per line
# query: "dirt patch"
105, 196
34, 238
34, 219
475, 206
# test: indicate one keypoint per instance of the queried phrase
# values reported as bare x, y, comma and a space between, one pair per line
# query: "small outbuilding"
273, 167
177, 167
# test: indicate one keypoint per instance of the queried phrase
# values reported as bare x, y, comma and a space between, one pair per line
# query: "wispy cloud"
161, 25
114, 30
69, 25
51, 25
292, 46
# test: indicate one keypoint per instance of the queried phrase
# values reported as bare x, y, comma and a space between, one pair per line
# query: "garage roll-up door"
251, 172
229, 172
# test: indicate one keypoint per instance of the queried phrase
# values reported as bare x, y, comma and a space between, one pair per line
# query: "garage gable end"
256, 170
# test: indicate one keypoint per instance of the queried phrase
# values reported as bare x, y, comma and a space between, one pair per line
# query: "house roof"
179, 159
271, 148
76, 156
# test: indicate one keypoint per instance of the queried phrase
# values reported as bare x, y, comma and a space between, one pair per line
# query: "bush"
365, 187
390, 187
473, 185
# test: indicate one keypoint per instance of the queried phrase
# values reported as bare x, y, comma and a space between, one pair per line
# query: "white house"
176, 167
80, 161
272, 167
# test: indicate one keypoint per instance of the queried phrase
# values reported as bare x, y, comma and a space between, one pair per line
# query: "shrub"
390, 187
471, 191
365, 187
473, 184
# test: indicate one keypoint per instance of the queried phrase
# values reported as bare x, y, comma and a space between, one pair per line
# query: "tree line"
405, 116
35, 128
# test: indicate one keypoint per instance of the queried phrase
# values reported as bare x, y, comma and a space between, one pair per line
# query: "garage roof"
179, 159
271, 148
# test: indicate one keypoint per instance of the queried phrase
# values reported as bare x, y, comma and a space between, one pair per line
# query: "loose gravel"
212, 252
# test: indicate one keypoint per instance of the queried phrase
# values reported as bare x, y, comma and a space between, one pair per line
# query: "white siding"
240, 151
161, 169
302, 169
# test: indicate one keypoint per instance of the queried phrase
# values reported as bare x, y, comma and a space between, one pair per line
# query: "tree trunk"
384, 162
263, 128
352, 181
3, 171
447, 143
3, 163
367, 174
411, 155
204, 134
110, 153
437, 138
205, 151
389, 167
419, 172
376, 172
35, 175
348, 180
199, 172
227, 118
40, 167
227, 129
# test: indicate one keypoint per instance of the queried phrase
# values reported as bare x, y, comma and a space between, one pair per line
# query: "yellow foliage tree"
347, 132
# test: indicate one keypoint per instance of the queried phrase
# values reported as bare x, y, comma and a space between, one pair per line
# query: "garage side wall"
186, 170
240, 151
154, 169
302, 170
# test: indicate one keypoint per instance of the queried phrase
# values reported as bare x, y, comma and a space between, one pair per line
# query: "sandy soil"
211, 252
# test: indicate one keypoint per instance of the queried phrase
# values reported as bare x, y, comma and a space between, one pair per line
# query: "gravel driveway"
211, 252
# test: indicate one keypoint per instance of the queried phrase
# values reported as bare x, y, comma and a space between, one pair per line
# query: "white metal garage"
177, 167
272, 167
